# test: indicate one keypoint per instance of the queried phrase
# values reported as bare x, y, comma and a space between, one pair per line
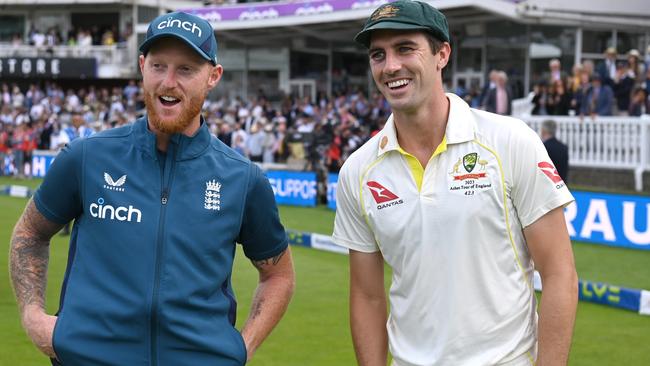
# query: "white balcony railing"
603, 142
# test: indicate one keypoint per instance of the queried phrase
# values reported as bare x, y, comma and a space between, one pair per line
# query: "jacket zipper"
166, 175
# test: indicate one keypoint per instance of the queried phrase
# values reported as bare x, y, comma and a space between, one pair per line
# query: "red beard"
172, 125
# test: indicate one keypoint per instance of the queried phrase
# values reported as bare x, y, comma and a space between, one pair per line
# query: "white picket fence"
603, 142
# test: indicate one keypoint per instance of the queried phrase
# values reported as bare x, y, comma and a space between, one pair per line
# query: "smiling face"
176, 81
405, 69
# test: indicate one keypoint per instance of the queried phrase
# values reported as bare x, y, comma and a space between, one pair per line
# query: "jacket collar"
187, 147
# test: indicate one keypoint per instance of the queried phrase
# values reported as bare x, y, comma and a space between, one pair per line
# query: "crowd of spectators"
315, 135
92, 36
495, 96
312, 135
41, 117
307, 134
611, 87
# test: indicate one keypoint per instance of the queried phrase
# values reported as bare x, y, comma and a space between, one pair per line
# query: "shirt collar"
461, 126
388, 137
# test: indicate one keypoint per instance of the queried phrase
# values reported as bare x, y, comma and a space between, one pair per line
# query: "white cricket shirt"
461, 291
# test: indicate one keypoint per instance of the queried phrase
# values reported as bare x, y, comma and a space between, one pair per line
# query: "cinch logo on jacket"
107, 212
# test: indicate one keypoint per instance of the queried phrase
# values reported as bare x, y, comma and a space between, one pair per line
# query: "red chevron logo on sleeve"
380, 193
550, 171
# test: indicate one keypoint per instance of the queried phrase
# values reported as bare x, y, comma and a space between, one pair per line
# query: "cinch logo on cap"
550, 171
177, 23
195, 31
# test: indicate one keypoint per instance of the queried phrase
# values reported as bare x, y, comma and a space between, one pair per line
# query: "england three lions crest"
212, 195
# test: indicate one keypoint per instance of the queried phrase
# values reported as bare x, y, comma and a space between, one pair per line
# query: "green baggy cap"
405, 15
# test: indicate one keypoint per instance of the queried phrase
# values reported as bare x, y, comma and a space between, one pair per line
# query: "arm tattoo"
256, 308
260, 264
29, 255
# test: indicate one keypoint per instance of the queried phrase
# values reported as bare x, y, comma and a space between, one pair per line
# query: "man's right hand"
40, 329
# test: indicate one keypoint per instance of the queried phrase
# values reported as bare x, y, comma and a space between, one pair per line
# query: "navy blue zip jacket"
151, 252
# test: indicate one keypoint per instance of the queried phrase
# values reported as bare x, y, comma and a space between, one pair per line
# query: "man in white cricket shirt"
463, 205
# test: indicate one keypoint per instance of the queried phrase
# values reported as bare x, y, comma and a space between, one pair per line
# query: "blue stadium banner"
41, 161
610, 219
332, 179
293, 188
602, 293
299, 238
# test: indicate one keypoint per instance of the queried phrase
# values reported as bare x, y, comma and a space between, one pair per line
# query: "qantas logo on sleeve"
550, 171
383, 196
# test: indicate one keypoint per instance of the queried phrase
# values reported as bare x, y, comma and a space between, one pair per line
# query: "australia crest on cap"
382, 12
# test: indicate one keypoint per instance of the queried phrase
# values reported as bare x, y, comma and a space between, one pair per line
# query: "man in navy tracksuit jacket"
158, 207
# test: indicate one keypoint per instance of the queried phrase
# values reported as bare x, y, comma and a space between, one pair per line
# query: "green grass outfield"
315, 330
